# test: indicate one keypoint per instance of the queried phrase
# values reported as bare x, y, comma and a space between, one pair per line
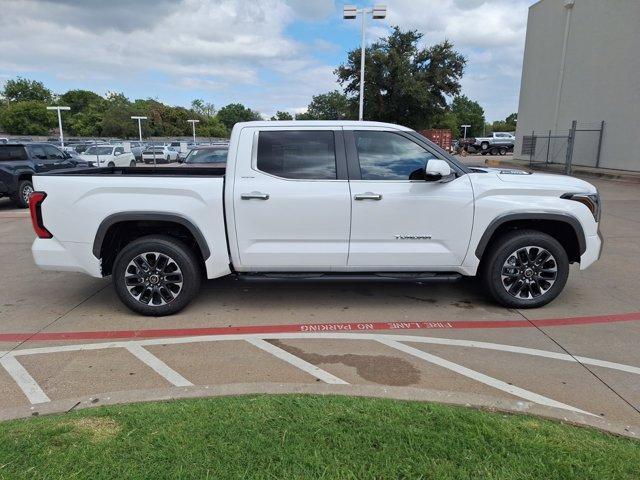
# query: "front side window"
389, 156
298, 154
53, 153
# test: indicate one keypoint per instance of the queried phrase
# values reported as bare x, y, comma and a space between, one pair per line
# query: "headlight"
591, 200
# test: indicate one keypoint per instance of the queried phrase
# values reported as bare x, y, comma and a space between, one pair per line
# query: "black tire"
484, 145
111, 164
132, 164
502, 151
493, 151
21, 197
178, 253
504, 248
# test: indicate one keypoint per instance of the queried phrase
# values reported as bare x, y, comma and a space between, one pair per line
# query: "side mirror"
116, 154
438, 170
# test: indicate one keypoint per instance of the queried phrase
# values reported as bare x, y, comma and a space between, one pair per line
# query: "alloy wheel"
153, 278
27, 190
529, 272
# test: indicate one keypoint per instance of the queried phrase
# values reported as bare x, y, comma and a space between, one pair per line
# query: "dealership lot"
67, 339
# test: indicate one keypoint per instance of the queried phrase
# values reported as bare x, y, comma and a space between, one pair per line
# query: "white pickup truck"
332, 200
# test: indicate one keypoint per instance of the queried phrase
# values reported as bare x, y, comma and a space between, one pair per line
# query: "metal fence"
580, 145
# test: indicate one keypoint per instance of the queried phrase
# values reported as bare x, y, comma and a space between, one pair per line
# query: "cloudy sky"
268, 54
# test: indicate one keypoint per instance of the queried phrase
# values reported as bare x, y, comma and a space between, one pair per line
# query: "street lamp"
193, 124
465, 130
60, 121
139, 125
350, 12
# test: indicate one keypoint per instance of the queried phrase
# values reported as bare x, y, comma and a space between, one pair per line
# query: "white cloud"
198, 44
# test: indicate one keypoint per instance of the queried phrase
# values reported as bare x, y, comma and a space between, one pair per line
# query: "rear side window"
389, 156
12, 152
298, 154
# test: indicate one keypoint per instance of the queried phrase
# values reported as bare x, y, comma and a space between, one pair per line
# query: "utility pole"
60, 121
193, 124
139, 125
350, 12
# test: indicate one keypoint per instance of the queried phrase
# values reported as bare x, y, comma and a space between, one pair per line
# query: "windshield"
207, 155
98, 151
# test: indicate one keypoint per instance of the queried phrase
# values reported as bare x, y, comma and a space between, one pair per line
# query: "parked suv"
19, 161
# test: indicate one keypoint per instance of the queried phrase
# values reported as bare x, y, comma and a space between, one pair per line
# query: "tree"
404, 84
508, 125
450, 122
20, 90
27, 118
233, 113
282, 116
116, 118
468, 112
212, 127
202, 108
327, 106
81, 100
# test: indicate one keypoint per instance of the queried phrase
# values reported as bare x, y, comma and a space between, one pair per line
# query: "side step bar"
420, 277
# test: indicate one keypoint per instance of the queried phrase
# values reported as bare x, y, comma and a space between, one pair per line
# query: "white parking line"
159, 366
25, 381
481, 377
303, 365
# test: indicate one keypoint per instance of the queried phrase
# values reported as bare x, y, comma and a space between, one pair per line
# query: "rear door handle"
254, 195
367, 196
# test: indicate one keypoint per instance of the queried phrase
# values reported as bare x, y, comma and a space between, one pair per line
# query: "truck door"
40, 161
398, 222
291, 199
55, 158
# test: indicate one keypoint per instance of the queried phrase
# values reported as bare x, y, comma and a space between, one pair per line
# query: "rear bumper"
51, 254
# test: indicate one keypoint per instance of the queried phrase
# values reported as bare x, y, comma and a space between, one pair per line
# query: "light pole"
139, 125
58, 108
193, 125
465, 130
350, 12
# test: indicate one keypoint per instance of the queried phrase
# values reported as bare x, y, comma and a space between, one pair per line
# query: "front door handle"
254, 195
367, 196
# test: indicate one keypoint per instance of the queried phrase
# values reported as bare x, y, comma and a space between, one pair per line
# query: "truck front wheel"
23, 192
526, 269
156, 275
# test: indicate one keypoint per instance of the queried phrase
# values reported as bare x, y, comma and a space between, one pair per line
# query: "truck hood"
542, 180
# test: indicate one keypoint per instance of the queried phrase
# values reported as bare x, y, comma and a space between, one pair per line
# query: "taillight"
35, 207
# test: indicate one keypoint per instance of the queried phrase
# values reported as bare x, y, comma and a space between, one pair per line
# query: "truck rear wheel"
525, 269
156, 275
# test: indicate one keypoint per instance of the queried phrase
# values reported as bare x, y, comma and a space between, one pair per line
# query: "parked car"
310, 200
108, 156
207, 156
499, 143
159, 154
137, 148
20, 161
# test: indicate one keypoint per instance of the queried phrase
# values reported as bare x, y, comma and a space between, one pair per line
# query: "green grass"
310, 437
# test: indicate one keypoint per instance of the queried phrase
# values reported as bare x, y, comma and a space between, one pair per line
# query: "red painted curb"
316, 327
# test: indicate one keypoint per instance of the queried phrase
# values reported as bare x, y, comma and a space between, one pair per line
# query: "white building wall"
601, 75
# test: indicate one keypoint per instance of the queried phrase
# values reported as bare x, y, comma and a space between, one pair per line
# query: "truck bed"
141, 171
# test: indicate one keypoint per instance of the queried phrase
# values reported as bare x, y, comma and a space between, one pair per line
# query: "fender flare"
570, 220
152, 216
